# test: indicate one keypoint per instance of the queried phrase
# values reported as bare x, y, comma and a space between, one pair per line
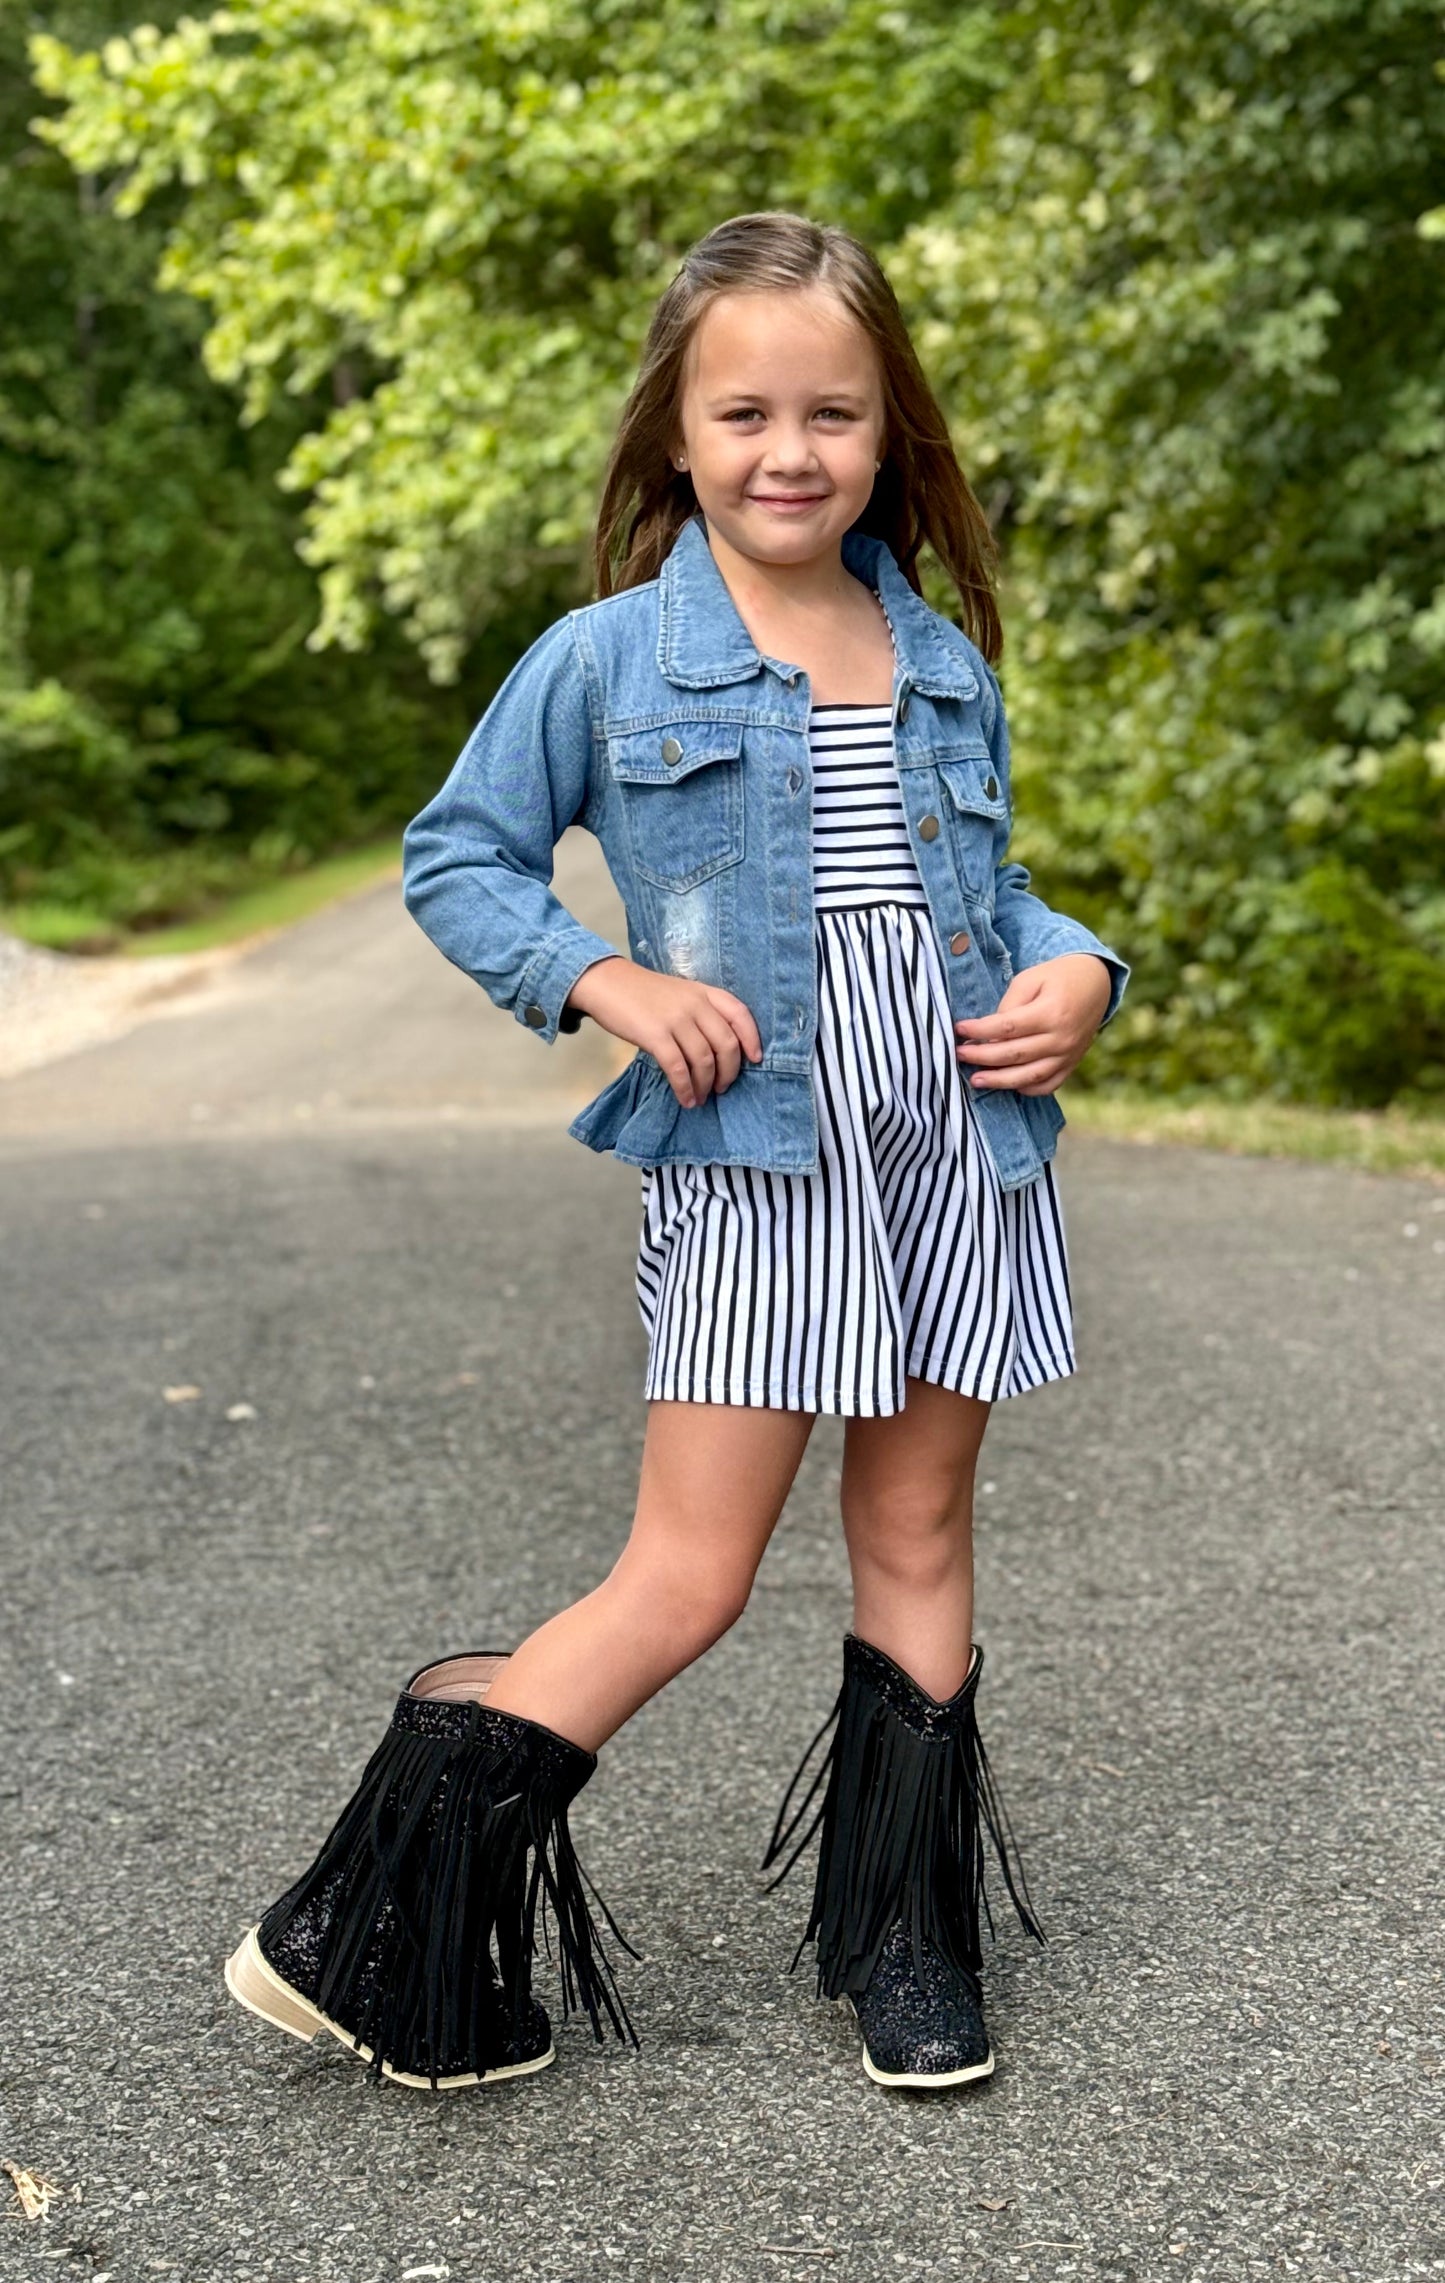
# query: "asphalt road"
1210, 1594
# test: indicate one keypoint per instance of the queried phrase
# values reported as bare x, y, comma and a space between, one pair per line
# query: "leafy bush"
165, 732
1191, 316
1176, 267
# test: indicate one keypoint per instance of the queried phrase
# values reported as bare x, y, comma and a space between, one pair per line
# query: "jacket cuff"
1118, 983
540, 1003
1073, 937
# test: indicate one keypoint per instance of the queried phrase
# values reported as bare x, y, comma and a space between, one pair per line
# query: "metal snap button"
991, 788
957, 943
536, 1016
671, 752
903, 707
928, 828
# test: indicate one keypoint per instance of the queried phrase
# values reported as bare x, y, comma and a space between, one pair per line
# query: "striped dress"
900, 1258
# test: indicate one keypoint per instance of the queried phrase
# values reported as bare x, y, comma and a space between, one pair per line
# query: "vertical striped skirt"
899, 1258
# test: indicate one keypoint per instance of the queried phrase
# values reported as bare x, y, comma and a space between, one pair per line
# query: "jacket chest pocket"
682, 797
976, 808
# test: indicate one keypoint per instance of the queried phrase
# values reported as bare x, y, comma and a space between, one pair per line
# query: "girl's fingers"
701, 1061
1018, 1011
739, 1018
1013, 1053
987, 1030
673, 1064
686, 1061
726, 1047
1007, 1030
1033, 1078
700, 1055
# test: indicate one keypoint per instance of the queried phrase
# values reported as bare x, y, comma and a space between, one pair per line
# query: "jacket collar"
702, 643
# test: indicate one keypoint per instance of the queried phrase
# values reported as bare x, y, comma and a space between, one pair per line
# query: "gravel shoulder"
53, 1005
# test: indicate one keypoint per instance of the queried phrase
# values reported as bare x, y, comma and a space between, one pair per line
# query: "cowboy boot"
907, 1797
411, 1937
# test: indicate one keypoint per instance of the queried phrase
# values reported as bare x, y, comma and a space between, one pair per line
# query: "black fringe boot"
411, 1937
907, 1797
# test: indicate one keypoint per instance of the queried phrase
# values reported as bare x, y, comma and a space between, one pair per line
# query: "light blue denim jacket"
653, 720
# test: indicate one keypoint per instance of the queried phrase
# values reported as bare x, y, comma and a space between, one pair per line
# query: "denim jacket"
653, 720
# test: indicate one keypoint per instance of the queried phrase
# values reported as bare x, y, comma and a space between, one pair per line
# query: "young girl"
851, 1018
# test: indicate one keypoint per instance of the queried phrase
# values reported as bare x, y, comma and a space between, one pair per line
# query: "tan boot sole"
918, 2082
915, 2080
257, 1986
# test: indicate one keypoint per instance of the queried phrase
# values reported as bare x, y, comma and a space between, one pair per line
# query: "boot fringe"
417, 1921
907, 1796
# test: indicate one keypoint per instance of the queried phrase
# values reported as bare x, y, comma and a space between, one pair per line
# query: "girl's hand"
697, 1033
1044, 1026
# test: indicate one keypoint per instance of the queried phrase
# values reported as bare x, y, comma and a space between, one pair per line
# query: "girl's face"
782, 424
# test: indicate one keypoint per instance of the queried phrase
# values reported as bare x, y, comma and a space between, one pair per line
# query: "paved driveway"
1210, 1592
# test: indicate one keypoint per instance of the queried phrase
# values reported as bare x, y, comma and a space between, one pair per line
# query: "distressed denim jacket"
653, 720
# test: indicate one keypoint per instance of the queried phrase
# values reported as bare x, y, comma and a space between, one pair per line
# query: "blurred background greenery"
315, 319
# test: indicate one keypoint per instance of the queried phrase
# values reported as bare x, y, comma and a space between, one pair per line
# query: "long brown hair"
921, 494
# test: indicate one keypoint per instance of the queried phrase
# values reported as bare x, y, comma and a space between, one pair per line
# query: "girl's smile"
780, 504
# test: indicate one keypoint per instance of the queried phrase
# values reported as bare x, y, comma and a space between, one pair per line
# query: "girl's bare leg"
714, 1479
908, 1519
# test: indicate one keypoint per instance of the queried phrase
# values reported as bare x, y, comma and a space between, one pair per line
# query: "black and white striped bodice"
860, 841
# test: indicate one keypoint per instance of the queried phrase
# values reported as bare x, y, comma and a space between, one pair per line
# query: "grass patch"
279, 903
223, 910
60, 927
1379, 1141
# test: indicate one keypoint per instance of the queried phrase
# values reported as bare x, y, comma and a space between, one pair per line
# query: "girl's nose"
790, 453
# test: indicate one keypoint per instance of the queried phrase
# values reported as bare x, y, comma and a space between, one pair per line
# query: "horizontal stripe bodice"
861, 852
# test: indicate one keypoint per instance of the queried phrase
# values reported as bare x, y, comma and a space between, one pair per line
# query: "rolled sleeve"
542, 993
1033, 932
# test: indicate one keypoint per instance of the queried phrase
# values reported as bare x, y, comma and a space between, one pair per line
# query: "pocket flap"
973, 786
667, 755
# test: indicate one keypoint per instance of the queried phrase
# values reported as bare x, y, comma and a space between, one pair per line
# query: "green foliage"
60, 760
164, 732
1183, 305
1177, 267
468, 211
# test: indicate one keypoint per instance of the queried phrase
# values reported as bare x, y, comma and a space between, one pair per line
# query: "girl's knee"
717, 1610
691, 1621
693, 1606
915, 1536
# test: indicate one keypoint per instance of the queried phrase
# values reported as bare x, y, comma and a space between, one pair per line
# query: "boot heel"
258, 1987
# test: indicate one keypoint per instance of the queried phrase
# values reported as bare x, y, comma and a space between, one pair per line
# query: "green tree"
1185, 309
163, 727
1170, 265
469, 210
